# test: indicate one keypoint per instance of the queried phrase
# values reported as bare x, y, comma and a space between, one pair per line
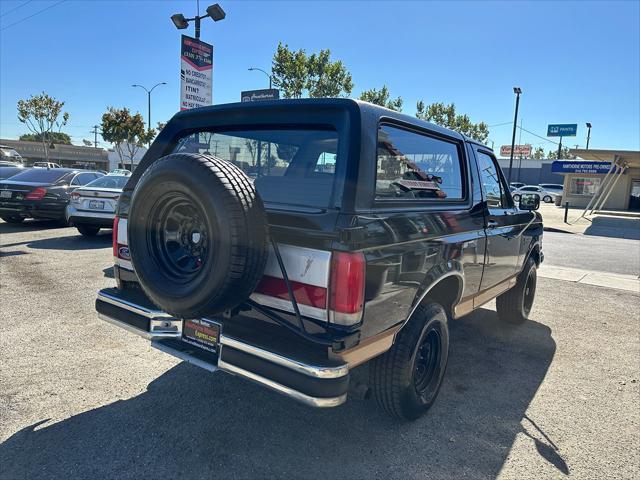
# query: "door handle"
492, 224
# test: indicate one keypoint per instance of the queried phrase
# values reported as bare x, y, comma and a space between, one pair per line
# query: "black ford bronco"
288, 242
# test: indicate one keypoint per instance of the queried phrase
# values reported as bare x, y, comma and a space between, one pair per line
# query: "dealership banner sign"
196, 73
562, 130
260, 95
580, 167
518, 150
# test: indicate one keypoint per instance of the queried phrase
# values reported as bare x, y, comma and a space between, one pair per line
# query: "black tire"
514, 305
402, 385
197, 235
14, 220
547, 199
516, 198
88, 230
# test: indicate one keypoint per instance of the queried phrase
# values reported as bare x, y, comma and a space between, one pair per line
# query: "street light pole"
517, 91
588, 134
215, 12
149, 99
251, 69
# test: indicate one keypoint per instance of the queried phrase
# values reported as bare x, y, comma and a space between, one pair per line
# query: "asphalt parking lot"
557, 397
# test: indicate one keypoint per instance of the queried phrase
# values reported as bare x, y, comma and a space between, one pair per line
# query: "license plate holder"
96, 204
5, 193
202, 333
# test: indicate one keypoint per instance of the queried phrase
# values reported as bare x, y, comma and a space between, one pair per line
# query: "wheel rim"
529, 292
427, 364
180, 242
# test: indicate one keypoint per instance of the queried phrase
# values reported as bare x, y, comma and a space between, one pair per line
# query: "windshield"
109, 181
39, 175
294, 167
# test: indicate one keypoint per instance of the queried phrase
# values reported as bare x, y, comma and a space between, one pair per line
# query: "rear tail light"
75, 197
120, 249
36, 194
114, 235
346, 288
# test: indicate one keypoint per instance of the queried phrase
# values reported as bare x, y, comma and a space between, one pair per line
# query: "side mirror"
529, 201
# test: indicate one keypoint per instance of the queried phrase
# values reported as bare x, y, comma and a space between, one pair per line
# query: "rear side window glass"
40, 175
109, 181
412, 165
287, 166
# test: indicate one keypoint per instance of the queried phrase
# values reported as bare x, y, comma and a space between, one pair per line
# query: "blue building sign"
562, 130
577, 166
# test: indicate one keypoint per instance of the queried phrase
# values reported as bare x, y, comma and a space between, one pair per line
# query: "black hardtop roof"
365, 109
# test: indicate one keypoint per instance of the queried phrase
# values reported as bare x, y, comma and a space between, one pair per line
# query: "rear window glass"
412, 165
287, 166
109, 181
40, 175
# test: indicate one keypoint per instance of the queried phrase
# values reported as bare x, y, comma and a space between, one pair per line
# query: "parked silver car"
547, 196
93, 206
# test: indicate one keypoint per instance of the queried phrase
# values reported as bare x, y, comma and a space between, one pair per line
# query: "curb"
558, 230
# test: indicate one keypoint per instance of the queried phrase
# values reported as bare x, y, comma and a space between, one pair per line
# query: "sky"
576, 62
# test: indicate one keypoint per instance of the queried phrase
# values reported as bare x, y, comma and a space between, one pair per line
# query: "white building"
115, 162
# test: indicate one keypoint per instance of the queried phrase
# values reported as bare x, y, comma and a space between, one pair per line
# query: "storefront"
71, 156
601, 179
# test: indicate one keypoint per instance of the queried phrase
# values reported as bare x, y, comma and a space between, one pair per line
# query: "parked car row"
547, 192
83, 198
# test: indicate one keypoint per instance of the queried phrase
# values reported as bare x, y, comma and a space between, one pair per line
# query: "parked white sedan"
93, 206
547, 196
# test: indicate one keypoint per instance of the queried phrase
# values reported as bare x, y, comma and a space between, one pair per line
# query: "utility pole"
560, 149
517, 91
95, 136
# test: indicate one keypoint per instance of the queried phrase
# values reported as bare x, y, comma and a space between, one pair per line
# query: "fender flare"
433, 278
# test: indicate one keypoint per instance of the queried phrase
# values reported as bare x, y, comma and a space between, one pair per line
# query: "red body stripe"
305, 294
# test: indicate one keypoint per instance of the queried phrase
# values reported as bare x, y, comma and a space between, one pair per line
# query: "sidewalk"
606, 224
628, 283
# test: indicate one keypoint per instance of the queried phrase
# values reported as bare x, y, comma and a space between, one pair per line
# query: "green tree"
57, 138
538, 153
289, 71
127, 132
382, 97
565, 155
40, 114
327, 78
446, 116
297, 74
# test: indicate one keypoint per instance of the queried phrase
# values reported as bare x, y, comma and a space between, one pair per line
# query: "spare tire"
197, 235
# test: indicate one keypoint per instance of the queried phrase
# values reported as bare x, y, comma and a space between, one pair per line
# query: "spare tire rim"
427, 364
180, 243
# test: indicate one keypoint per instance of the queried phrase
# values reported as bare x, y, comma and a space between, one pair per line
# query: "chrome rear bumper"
318, 385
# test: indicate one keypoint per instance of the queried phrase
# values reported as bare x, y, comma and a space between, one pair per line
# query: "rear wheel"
514, 305
516, 198
88, 230
407, 378
15, 220
197, 235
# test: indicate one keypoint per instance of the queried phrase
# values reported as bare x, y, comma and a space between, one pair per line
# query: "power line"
32, 15
16, 8
536, 135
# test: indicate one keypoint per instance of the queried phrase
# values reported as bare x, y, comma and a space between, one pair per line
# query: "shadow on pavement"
616, 227
191, 424
28, 225
69, 242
